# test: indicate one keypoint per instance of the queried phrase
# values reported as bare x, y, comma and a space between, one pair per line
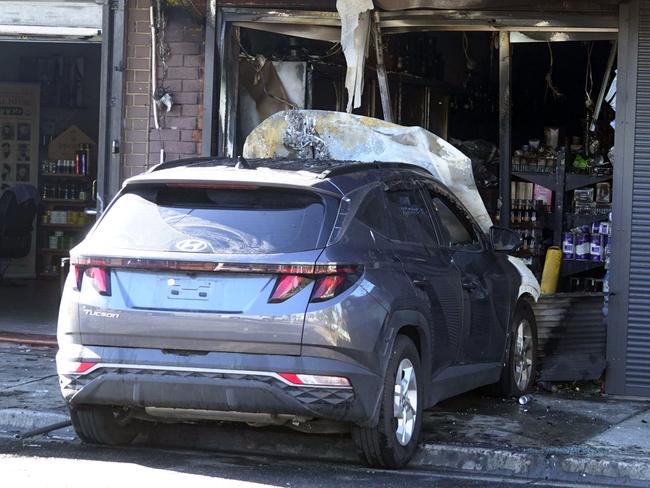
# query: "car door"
435, 281
487, 287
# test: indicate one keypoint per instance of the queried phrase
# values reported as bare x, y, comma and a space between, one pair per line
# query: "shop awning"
42, 20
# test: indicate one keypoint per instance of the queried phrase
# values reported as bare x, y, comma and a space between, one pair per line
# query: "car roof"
322, 175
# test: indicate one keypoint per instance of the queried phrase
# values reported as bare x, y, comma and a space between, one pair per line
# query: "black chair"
18, 206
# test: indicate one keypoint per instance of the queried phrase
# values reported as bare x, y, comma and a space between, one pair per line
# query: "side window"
372, 213
458, 230
409, 218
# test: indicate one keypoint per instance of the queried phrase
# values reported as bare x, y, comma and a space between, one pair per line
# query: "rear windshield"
220, 221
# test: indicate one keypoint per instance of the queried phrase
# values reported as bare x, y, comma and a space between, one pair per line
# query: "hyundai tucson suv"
290, 292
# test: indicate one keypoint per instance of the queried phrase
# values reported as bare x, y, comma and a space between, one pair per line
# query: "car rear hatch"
202, 267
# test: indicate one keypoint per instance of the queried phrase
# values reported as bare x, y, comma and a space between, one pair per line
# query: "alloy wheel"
405, 401
523, 355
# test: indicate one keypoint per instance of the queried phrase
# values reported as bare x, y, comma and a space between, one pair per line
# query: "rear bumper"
216, 381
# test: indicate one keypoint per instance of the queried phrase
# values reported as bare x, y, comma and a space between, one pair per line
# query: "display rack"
70, 225
559, 220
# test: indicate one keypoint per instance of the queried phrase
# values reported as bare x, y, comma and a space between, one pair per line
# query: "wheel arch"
413, 333
528, 298
528, 284
414, 325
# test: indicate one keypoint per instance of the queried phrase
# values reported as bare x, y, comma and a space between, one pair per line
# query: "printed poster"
19, 132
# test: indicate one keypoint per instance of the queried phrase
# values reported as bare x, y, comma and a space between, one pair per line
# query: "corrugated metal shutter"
571, 336
637, 361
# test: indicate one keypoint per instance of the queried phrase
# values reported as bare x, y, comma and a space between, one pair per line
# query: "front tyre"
518, 375
104, 425
392, 443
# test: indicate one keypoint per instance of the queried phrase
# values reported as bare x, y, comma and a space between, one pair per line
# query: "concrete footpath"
573, 435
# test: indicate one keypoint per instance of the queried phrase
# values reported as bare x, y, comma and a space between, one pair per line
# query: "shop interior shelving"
48, 258
560, 219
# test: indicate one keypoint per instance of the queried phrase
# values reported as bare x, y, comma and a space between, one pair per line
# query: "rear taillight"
100, 279
328, 287
95, 271
287, 286
78, 274
330, 280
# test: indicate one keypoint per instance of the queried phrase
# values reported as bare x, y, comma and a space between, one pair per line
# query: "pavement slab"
572, 436
29, 306
548, 421
631, 435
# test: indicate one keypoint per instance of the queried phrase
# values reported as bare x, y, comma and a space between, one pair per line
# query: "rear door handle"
470, 285
420, 283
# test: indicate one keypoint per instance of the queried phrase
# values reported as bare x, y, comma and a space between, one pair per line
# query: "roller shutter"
637, 354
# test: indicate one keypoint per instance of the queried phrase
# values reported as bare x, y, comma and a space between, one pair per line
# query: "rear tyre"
392, 443
103, 425
518, 375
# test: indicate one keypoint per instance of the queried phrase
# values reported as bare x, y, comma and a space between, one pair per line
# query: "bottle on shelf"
526, 212
84, 156
533, 213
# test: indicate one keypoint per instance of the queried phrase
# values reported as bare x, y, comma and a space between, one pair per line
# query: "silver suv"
289, 292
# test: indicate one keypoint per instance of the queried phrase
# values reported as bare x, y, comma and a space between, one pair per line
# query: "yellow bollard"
551, 273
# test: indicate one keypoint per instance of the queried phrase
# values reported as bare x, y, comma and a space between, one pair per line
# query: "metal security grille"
637, 361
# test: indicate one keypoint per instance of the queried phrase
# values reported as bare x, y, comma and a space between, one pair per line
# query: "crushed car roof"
317, 134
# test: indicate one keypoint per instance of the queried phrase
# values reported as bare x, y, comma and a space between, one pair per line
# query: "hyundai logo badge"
192, 245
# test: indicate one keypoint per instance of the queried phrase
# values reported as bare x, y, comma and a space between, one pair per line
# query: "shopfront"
53, 121
529, 95
525, 91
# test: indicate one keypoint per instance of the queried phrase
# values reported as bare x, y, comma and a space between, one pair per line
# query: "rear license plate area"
190, 289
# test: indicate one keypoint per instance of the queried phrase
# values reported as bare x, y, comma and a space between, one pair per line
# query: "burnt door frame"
111, 106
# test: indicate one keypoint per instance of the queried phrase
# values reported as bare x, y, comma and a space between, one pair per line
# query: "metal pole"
104, 140
603, 87
560, 188
384, 90
505, 126
228, 87
111, 108
209, 84
116, 96
154, 79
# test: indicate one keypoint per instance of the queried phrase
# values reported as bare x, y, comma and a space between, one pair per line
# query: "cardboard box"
543, 194
67, 144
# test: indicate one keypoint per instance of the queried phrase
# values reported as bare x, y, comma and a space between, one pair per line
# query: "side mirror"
504, 240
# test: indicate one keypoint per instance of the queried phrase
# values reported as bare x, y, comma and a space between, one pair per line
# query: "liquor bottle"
533, 211
517, 212
526, 212
83, 155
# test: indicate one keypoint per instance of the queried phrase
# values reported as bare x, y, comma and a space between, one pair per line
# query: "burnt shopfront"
531, 96
549, 103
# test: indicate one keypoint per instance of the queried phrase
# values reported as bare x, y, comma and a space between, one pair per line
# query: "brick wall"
181, 129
